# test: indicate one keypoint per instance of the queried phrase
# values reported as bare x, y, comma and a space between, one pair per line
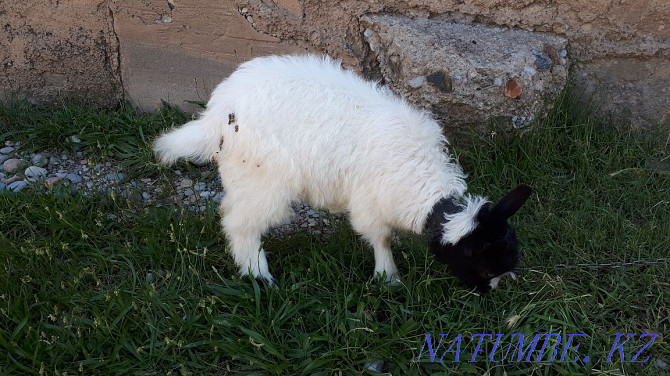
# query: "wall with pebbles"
152, 50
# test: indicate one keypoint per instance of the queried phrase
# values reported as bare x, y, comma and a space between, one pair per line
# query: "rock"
52, 181
6, 150
376, 366
466, 65
74, 178
13, 164
115, 177
543, 61
17, 186
39, 160
186, 183
512, 90
416, 81
12, 179
35, 173
2, 186
188, 193
200, 186
73, 139
9, 143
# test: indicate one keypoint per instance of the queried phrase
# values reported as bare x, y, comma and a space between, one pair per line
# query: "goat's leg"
244, 221
379, 237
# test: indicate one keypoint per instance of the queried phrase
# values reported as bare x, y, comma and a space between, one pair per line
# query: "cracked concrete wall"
621, 48
51, 49
177, 50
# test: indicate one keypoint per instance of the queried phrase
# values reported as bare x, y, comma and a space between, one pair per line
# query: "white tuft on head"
460, 224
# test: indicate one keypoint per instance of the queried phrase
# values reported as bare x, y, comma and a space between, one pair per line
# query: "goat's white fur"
289, 128
459, 224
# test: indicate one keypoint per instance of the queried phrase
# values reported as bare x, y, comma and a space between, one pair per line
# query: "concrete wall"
176, 50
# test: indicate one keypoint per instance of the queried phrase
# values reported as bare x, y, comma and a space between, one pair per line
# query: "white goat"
291, 128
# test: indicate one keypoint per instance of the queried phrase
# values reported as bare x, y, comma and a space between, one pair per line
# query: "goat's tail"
197, 140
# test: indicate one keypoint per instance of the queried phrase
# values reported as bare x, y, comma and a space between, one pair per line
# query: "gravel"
49, 170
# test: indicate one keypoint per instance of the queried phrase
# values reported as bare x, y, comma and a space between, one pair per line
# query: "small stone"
73, 139
416, 82
563, 53
529, 70
9, 143
200, 186
12, 179
74, 178
512, 89
146, 196
35, 172
13, 164
61, 175
52, 181
115, 176
188, 193
441, 81
6, 150
39, 160
218, 197
186, 183
498, 81
376, 366
205, 194
17, 186
89, 185
83, 162
543, 62
3, 186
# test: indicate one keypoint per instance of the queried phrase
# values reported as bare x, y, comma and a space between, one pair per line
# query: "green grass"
105, 285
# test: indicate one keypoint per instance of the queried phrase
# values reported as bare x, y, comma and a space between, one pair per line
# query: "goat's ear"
512, 202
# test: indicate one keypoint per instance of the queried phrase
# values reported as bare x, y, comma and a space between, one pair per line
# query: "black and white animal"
284, 129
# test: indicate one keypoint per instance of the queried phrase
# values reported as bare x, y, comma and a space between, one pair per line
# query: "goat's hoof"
389, 279
271, 282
